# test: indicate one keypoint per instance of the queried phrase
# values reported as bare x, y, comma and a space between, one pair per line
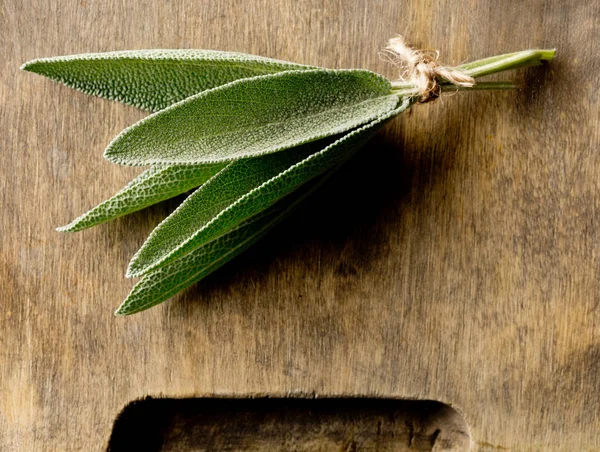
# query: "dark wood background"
456, 259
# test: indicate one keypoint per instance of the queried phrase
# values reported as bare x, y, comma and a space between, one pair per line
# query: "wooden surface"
288, 424
456, 259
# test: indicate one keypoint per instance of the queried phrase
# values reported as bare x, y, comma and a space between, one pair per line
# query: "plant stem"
407, 89
506, 62
487, 66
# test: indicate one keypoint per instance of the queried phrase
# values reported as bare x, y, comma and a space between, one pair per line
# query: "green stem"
506, 62
487, 66
411, 90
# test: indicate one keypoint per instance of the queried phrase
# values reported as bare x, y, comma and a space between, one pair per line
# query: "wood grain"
301, 425
456, 259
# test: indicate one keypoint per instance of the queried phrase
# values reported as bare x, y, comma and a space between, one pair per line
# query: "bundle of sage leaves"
252, 136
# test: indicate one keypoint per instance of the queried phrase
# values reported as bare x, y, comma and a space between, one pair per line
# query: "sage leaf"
161, 284
205, 204
228, 199
154, 79
152, 186
255, 116
256, 136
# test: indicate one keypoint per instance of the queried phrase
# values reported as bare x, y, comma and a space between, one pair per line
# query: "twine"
421, 68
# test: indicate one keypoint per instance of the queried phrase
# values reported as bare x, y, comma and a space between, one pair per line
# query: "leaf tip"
114, 155
131, 306
126, 307
138, 267
66, 228
121, 311
29, 66
132, 271
36, 66
26, 66
110, 154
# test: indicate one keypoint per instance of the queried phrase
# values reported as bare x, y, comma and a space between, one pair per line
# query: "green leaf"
154, 79
152, 186
232, 183
255, 116
163, 283
243, 189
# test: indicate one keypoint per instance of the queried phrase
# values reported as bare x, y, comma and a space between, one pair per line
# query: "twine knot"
421, 68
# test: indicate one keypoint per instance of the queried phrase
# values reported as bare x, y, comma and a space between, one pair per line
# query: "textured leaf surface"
232, 183
161, 284
202, 217
152, 186
255, 116
154, 79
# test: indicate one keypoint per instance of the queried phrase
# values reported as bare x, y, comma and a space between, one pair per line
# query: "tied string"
421, 68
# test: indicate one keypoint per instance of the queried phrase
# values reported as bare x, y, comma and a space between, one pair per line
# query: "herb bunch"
252, 136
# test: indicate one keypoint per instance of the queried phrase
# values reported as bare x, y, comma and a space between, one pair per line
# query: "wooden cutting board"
456, 259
